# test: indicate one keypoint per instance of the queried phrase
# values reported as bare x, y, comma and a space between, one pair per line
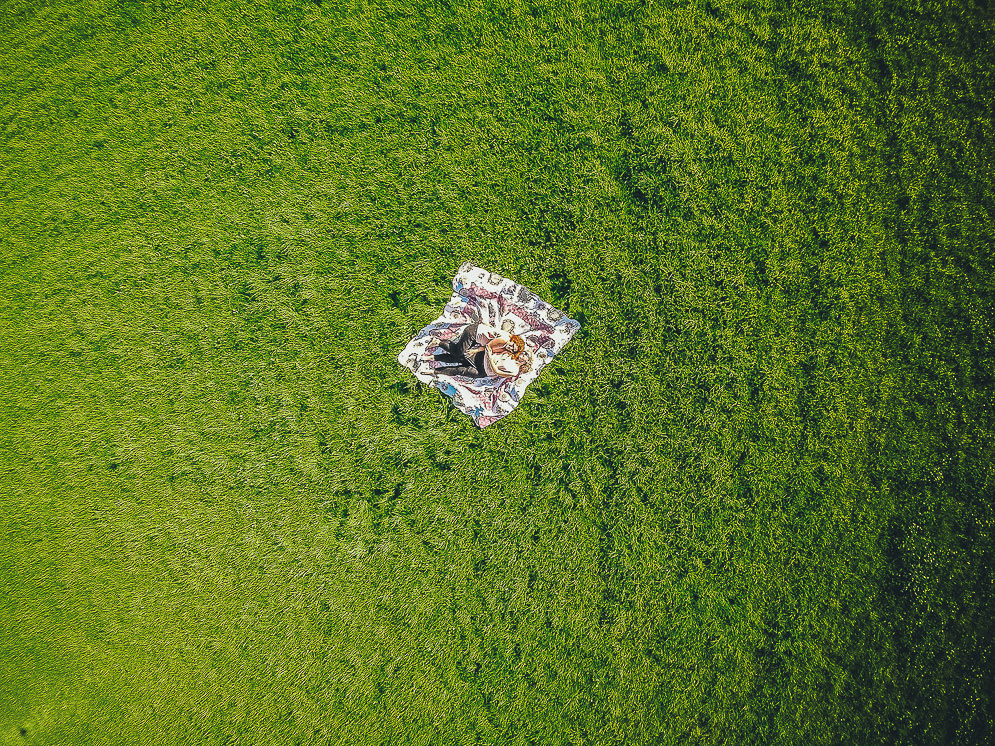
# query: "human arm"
487, 338
486, 333
501, 363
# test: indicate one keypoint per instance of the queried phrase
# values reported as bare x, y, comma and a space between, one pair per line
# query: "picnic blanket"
485, 297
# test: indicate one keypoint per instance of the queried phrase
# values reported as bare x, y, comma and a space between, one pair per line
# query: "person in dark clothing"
481, 351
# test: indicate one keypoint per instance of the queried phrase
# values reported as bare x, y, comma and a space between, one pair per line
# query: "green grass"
749, 504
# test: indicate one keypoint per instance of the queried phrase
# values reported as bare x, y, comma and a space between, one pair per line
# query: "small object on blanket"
491, 342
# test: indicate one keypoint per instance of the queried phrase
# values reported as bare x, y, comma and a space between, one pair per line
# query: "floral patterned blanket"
485, 297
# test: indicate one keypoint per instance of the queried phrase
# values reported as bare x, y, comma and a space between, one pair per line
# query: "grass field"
751, 503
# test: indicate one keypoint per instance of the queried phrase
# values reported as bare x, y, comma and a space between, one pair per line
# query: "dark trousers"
454, 355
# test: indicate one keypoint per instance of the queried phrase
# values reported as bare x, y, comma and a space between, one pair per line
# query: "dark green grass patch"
750, 503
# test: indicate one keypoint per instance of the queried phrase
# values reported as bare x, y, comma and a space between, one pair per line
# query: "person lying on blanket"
481, 351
